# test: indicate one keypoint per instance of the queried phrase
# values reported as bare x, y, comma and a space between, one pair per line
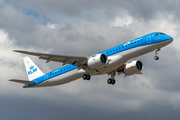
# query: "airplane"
111, 62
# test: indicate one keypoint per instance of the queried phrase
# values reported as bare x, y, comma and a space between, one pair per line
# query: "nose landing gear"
156, 52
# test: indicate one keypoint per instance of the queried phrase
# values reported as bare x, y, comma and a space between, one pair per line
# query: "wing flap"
22, 81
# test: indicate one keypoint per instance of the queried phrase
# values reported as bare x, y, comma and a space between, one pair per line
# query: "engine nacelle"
97, 61
134, 67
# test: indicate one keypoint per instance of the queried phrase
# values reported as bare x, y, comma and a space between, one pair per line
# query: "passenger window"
119, 47
122, 46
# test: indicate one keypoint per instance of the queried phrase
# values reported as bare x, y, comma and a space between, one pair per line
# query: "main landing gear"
109, 81
86, 77
112, 80
156, 52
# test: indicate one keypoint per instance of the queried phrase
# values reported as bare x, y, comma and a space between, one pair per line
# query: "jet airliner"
111, 62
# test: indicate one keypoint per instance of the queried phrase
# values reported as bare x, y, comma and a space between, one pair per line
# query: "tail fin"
32, 70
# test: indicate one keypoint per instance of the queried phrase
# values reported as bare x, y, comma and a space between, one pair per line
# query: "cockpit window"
156, 34
159, 34
162, 34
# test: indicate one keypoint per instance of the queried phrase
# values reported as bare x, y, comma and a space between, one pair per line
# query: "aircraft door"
46, 77
149, 39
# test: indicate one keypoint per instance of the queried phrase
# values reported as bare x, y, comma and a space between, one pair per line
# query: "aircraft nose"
169, 38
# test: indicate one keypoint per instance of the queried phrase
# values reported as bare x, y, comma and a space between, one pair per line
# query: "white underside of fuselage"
117, 60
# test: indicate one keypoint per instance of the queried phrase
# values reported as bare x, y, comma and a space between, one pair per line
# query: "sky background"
83, 28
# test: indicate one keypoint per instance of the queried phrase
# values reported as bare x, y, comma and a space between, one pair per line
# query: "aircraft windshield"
159, 34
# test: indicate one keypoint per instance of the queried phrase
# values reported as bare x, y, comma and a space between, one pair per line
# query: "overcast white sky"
83, 28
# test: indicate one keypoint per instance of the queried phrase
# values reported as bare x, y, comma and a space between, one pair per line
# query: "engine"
134, 67
97, 61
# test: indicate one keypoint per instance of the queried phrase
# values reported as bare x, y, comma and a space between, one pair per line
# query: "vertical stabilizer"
32, 70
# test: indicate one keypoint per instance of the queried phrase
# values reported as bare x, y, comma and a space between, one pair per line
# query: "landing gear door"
149, 39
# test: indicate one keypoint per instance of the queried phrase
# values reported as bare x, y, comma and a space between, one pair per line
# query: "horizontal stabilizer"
22, 81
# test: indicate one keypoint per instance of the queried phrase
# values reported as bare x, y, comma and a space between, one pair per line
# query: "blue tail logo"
32, 70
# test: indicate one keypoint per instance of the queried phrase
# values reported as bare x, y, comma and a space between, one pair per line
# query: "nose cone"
169, 39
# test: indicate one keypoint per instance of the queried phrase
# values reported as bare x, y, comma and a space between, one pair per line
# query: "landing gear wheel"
88, 77
84, 77
109, 81
113, 82
156, 57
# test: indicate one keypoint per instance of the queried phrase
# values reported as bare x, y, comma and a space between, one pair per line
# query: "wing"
74, 60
